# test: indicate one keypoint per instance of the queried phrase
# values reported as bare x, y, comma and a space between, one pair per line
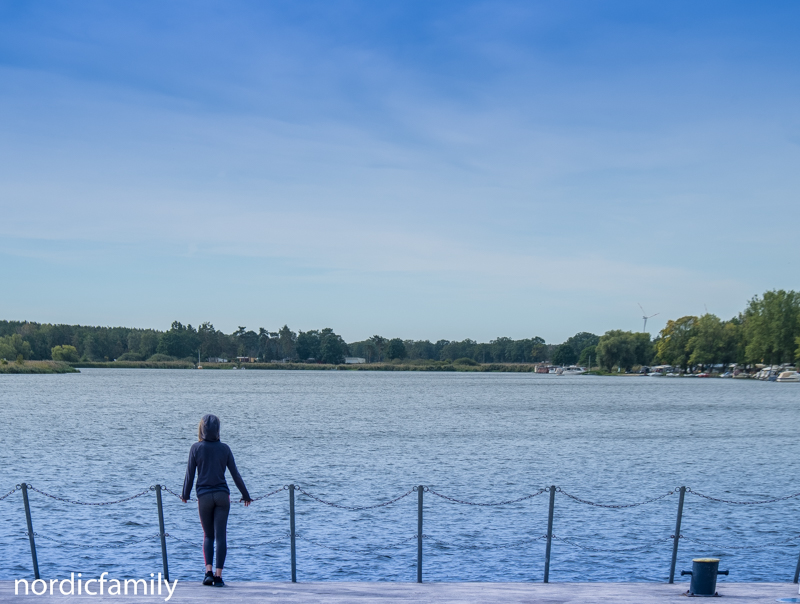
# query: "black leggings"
214, 508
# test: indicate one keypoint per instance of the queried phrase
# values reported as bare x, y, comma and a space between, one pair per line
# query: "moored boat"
788, 376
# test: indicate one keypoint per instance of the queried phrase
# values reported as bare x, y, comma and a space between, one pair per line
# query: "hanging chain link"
688, 490
235, 545
788, 541
171, 492
283, 537
483, 546
192, 543
355, 508
14, 490
366, 550
643, 546
617, 506
65, 500
94, 545
510, 501
271, 493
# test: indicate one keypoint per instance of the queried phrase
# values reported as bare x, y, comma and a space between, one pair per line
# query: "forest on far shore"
766, 331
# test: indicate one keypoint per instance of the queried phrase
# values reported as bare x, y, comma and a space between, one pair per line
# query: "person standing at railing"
210, 458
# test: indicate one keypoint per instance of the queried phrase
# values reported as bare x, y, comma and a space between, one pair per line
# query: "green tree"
624, 349
616, 348
377, 344
180, 341
308, 345
333, 348
713, 341
771, 326
538, 350
396, 349
564, 355
581, 341
12, 346
287, 342
66, 353
673, 345
588, 355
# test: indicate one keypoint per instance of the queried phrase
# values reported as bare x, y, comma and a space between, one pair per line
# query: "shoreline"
436, 366
38, 367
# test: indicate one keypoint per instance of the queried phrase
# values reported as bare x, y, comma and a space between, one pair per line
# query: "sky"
425, 170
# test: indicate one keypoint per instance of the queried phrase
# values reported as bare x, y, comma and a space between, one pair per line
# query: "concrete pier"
438, 593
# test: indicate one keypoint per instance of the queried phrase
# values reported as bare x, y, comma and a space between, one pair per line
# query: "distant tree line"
767, 331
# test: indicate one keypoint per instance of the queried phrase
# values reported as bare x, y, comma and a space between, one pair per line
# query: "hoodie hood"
210, 427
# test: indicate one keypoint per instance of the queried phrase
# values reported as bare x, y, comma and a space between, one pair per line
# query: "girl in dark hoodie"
209, 457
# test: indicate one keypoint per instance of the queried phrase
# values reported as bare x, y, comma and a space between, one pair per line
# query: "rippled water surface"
363, 438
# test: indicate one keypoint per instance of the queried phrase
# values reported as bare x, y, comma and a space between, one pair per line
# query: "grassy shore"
37, 367
389, 366
136, 365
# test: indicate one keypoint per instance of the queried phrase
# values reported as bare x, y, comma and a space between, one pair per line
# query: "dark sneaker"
209, 578
218, 582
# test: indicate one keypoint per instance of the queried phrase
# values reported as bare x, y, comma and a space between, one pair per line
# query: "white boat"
573, 370
788, 376
768, 374
556, 370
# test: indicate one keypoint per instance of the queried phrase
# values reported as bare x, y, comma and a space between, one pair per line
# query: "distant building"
216, 360
354, 360
247, 359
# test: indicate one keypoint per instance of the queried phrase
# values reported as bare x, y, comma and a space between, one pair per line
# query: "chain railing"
355, 508
98, 503
617, 506
483, 546
492, 504
363, 550
733, 502
292, 535
93, 545
11, 492
789, 541
644, 546
244, 545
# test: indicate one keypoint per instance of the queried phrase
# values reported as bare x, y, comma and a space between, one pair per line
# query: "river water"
361, 438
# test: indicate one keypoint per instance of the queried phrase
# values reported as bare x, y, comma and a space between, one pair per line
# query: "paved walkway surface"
439, 593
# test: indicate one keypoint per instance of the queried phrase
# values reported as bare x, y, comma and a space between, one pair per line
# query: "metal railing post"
30, 530
677, 537
291, 533
162, 533
549, 534
420, 491
797, 571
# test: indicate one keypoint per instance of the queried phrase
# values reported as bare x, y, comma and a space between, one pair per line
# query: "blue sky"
413, 169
